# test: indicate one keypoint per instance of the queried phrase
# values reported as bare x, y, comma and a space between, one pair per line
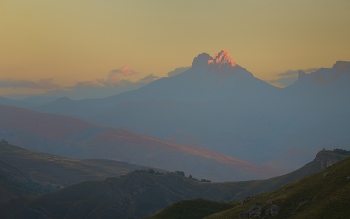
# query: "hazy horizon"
123, 45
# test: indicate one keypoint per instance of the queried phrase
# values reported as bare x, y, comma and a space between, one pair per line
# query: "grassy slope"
192, 209
328, 197
24, 172
137, 194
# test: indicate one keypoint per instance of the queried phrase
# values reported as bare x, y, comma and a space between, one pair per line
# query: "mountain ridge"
71, 137
139, 194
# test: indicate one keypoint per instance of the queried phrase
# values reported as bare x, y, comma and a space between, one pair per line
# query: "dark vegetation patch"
192, 209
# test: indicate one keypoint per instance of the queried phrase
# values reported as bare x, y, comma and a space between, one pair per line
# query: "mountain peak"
201, 60
221, 59
342, 66
301, 75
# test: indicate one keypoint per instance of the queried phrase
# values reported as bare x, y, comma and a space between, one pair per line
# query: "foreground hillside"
140, 194
322, 195
135, 195
193, 209
24, 172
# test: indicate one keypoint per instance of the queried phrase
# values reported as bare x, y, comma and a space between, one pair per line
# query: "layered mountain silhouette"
70, 137
321, 195
219, 105
139, 194
24, 172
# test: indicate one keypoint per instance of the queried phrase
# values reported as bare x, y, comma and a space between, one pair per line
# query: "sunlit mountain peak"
222, 58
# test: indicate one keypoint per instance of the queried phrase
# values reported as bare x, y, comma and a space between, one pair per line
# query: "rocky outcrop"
255, 211
328, 158
246, 199
275, 210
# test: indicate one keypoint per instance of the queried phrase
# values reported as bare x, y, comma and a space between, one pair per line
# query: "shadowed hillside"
322, 195
192, 209
24, 172
139, 194
70, 137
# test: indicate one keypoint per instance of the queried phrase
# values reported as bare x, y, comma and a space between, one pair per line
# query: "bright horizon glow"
71, 42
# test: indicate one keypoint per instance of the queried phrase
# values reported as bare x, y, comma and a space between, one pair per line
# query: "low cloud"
115, 82
287, 78
99, 88
45, 84
115, 76
125, 71
178, 71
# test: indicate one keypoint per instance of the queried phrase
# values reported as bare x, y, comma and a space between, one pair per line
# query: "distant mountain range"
139, 194
70, 137
219, 105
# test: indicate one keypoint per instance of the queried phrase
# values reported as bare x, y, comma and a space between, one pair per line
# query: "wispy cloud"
45, 84
95, 89
116, 81
115, 76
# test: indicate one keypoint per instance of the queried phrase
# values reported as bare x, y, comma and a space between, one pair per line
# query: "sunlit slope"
322, 195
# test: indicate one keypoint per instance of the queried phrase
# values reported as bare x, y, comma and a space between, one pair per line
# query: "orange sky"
82, 40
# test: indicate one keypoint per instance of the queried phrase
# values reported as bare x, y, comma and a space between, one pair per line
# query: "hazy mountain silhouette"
24, 172
70, 137
219, 105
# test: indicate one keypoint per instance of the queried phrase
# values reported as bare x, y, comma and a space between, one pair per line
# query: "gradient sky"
66, 42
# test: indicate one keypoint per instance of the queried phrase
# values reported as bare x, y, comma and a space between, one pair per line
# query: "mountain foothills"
321, 195
139, 194
24, 172
125, 156
219, 105
70, 137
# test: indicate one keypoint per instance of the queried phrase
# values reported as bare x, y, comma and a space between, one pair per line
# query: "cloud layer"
116, 81
46, 84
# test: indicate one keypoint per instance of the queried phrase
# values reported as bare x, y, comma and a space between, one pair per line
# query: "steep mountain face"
209, 79
65, 136
140, 194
